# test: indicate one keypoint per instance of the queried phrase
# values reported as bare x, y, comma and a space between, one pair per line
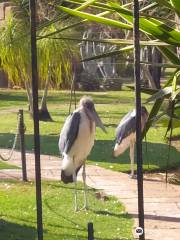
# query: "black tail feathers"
66, 179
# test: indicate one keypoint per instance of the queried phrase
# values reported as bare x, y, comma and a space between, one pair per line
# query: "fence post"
22, 144
90, 231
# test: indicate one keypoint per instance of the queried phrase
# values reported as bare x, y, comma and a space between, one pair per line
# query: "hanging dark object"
90, 231
32, 4
141, 233
22, 145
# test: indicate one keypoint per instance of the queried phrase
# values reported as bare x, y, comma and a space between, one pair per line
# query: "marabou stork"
76, 141
126, 134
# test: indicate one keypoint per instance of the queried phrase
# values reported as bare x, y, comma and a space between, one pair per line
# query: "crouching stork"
126, 134
76, 141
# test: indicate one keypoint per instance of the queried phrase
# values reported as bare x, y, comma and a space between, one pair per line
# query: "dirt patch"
175, 142
173, 176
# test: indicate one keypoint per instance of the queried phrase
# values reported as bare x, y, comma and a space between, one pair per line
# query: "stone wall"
5, 10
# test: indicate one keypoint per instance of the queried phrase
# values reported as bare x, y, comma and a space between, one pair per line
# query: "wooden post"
22, 145
90, 231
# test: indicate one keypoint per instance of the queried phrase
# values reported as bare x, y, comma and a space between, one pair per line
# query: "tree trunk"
44, 114
154, 56
156, 71
29, 96
148, 76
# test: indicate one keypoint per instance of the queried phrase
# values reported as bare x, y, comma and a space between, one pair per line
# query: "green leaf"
149, 91
108, 54
70, 26
164, 3
176, 5
160, 94
95, 4
174, 83
154, 111
85, 5
170, 55
175, 94
91, 17
150, 26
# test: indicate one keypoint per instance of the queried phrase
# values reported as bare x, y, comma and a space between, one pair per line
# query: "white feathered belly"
121, 148
81, 147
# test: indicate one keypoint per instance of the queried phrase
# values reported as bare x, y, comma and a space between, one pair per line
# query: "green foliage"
18, 215
15, 52
176, 5
5, 165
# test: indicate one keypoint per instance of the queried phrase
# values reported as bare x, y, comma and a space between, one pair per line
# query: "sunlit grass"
18, 213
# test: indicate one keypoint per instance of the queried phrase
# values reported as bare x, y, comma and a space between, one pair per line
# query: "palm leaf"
154, 111
160, 94
91, 17
164, 3
170, 55
176, 5
153, 27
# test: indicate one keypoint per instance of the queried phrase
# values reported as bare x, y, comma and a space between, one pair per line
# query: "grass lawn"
18, 214
5, 165
112, 106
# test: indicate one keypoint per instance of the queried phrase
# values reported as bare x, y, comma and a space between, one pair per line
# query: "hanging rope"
14, 143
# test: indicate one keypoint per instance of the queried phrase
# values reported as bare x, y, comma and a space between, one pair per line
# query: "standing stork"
126, 134
76, 141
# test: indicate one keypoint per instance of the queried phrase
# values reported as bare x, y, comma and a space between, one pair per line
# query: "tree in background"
54, 56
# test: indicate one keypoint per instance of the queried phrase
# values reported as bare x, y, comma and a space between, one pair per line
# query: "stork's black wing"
126, 126
69, 132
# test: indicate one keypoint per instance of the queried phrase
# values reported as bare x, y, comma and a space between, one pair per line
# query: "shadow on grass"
69, 186
65, 217
107, 213
64, 97
155, 157
12, 231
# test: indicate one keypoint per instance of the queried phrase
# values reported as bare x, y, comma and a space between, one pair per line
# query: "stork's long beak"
94, 116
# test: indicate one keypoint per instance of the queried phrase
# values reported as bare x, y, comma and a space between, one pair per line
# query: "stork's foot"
133, 176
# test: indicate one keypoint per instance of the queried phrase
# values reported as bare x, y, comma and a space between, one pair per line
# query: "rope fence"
7, 158
19, 135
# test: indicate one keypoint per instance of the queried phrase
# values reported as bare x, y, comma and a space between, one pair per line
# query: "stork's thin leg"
75, 190
132, 158
85, 187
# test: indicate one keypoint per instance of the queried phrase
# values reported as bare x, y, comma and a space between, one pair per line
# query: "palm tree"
54, 56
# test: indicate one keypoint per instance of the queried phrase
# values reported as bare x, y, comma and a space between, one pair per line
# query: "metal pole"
90, 231
138, 117
22, 144
32, 4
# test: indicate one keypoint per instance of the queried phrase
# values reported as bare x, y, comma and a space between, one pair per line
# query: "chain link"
14, 143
